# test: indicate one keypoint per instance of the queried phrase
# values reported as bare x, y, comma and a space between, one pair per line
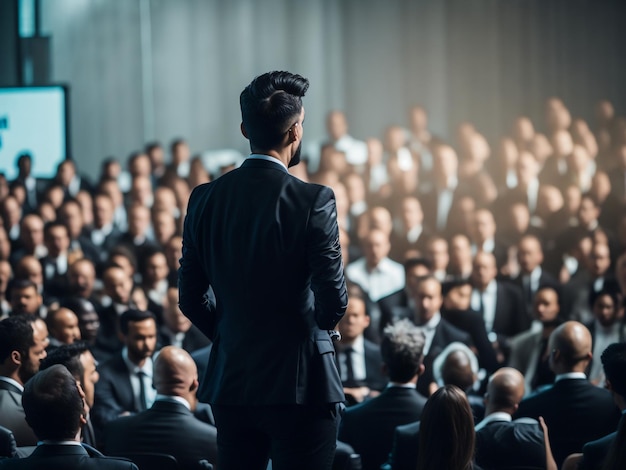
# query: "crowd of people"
474, 270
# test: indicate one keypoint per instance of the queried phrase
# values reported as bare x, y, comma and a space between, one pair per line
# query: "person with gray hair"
369, 426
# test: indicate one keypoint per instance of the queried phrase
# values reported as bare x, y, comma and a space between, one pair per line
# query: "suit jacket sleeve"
324, 258
195, 299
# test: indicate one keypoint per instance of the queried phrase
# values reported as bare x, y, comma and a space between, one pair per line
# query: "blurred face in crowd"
138, 220
546, 305
140, 165
605, 310
11, 211
459, 297
57, 240
31, 232
438, 254
164, 226
156, 268
174, 251
88, 322
71, 215
336, 125
355, 187
427, 297
460, 251
30, 268
412, 214
355, 320
600, 259
484, 270
529, 254
5, 275
66, 172
82, 277
588, 212
485, 225
25, 300
117, 285
65, 326
86, 206
103, 210
376, 247
5, 244
380, 219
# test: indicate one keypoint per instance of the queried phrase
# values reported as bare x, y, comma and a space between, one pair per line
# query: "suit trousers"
293, 436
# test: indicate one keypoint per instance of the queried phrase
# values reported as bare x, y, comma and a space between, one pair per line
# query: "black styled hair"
271, 104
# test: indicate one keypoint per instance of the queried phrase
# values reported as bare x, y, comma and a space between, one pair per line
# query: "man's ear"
16, 358
243, 131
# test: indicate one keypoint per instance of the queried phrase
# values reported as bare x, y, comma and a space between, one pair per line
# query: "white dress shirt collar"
268, 158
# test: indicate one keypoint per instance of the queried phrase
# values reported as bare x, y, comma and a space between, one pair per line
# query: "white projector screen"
33, 120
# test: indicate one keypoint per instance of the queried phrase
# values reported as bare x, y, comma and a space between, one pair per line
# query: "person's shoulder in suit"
404, 450
452, 333
518, 442
594, 452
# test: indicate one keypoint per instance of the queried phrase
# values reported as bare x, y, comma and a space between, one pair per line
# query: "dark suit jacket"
193, 340
113, 394
268, 245
166, 427
506, 444
369, 427
405, 447
595, 452
575, 411
472, 323
65, 457
389, 307
12, 415
374, 377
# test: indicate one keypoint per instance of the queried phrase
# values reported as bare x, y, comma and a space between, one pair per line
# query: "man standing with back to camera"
268, 245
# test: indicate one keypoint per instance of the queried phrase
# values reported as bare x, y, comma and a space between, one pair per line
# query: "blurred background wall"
141, 70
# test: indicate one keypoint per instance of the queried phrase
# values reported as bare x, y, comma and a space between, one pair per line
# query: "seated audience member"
446, 432
25, 298
21, 348
532, 276
369, 426
393, 306
104, 234
62, 326
71, 215
31, 239
500, 304
596, 277
82, 365
377, 275
575, 410
457, 294
125, 385
169, 426
56, 262
437, 253
501, 442
413, 234
358, 359
529, 350
606, 328
595, 452
427, 297
154, 272
88, 320
457, 365
118, 286
82, 281
460, 254
55, 409
484, 237
177, 330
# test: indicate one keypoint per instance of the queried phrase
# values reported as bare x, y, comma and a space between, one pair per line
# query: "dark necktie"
142, 391
349, 369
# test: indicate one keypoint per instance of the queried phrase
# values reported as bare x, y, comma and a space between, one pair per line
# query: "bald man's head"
176, 374
570, 346
505, 390
457, 370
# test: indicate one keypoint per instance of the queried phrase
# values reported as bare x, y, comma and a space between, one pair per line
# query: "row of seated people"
397, 429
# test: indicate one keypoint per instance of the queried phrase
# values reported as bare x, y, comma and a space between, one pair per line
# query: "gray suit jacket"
12, 415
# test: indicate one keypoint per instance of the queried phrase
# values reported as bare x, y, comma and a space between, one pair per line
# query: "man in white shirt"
377, 275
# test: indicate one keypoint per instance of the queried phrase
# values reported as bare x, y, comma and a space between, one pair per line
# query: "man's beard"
296, 158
